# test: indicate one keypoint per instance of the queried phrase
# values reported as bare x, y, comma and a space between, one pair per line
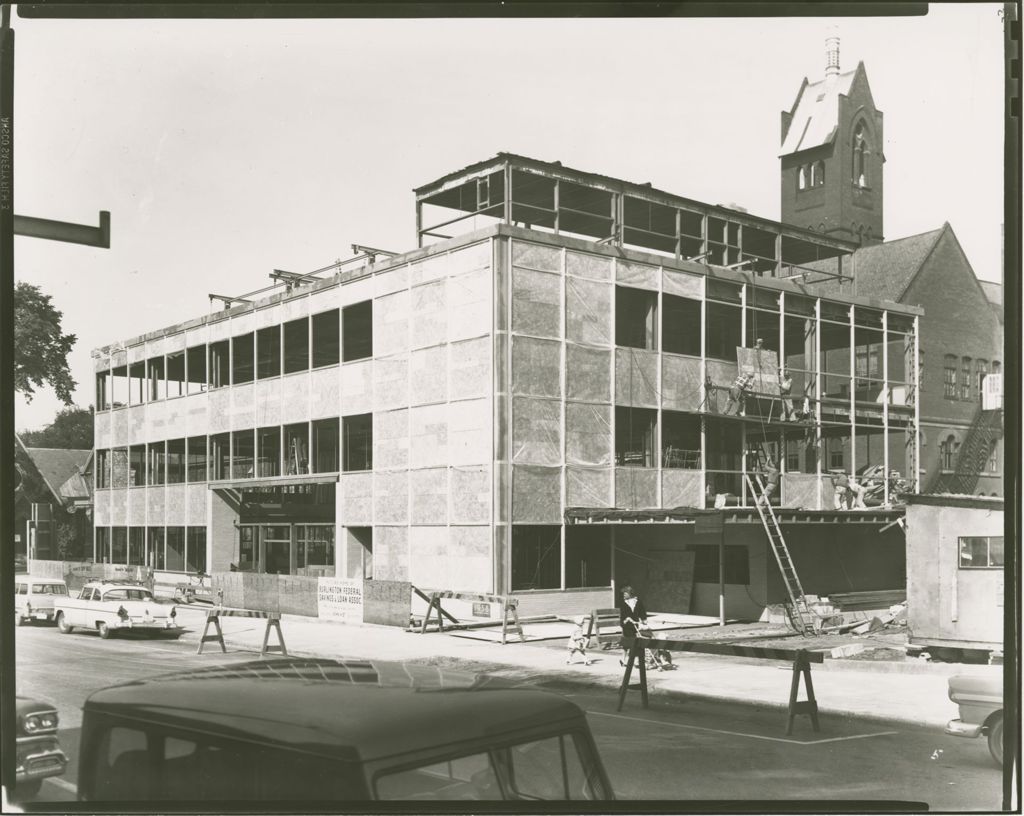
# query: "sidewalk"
906, 692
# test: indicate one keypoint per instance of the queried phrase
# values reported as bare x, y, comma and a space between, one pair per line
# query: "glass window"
137, 383
157, 378
157, 463
358, 442
965, 378
195, 560
268, 441
547, 769
119, 467
326, 338
175, 461
315, 543
220, 368
155, 547
102, 390
680, 440
636, 315
470, 778
296, 345
119, 545
196, 469
176, 374
949, 377
296, 448
242, 362
137, 546
119, 386
220, 456
195, 359
634, 436
588, 557
947, 452
723, 331
102, 545
680, 325
176, 549
248, 547
102, 471
736, 561
325, 445
268, 352
536, 557
357, 331
137, 466
243, 454
981, 552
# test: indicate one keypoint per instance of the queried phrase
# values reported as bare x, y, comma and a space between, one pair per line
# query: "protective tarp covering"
428, 375
763, 365
588, 487
683, 284
471, 495
588, 266
536, 303
641, 276
536, 494
588, 434
722, 375
536, 431
469, 559
636, 377
801, 490
429, 490
535, 256
391, 439
536, 367
588, 312
357, 498
680, 383
469, 305
391, 386
470, 368
681, 488
428, 436
636, 488
391, 323
429, 305
391, 553
470, 441
391, 497
588, 373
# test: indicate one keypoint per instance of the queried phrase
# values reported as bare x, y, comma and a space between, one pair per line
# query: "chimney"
831, 53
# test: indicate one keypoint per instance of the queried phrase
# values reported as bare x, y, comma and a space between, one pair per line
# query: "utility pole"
11, 225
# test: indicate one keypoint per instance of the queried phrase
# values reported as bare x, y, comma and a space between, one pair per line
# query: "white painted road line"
740, 733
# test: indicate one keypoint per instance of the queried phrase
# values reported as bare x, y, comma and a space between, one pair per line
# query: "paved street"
677, 749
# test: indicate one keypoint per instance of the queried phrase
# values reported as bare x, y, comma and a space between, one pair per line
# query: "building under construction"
563, 388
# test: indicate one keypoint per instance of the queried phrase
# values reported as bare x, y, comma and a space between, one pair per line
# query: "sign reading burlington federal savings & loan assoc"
340, 599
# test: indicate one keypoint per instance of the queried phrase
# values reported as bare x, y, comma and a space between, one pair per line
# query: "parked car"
111, 606
38, 751
327, 730
980, 698
35, 598
20, 562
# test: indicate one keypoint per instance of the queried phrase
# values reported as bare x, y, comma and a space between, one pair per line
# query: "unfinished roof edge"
617, 185
506, 230
955, 500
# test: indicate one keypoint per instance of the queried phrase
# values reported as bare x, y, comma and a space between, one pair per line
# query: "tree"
40, 346
71, 429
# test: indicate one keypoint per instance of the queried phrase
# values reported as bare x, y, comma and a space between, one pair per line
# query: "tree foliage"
71, 429
40, 346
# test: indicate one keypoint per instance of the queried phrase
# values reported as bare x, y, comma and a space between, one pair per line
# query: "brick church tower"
831, 155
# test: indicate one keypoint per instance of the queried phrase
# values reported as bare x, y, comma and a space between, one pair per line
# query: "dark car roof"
343, 709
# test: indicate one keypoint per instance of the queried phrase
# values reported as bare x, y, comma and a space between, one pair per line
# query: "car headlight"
46, 721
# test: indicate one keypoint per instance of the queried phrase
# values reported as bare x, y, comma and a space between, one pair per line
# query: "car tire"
62, 624
995, 739
103, 629
26, 789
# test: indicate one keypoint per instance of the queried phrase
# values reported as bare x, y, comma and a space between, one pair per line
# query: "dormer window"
860, 150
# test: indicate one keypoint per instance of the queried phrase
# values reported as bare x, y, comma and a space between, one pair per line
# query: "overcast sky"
225, 149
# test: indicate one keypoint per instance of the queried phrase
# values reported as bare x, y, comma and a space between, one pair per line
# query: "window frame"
988, 565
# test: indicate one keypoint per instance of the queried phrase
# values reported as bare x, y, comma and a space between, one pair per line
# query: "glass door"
277, 542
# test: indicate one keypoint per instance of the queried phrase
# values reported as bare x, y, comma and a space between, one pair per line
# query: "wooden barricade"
214, 615
802, 659
599, 618
508, 611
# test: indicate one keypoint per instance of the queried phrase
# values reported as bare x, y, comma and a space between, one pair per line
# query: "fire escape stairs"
985, 431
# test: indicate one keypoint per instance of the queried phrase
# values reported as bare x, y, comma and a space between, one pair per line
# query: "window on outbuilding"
536, 557
268, 352
636, 315
119, 545
242, 359
296, 345
326, 338
357, 331
357, 450
981, 552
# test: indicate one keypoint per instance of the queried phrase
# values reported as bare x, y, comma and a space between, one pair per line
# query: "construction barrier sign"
340, 599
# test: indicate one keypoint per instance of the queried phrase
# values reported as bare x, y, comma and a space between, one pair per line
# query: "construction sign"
340, 599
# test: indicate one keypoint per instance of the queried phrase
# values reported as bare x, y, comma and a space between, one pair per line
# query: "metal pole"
721, 573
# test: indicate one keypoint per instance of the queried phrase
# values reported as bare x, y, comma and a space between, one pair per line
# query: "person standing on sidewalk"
578, 642
632, 616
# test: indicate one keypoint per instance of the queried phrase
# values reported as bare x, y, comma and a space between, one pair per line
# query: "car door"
78, 608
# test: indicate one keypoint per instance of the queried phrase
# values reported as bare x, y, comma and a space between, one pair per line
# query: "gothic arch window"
818, 174
947, 452
802, 177
860, 151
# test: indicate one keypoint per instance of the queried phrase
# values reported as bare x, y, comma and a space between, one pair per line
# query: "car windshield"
551, 768
124, 594
49, 589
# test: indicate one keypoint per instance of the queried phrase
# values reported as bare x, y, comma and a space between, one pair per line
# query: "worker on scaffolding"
786, 392
738, 393
771, 477
841, 485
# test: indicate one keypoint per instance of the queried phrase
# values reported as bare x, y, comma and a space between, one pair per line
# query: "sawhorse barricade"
214, 615
508, 610
802, 659
597, 618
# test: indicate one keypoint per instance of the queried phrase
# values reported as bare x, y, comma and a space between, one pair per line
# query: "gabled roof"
57, 466
815, 114
994, 292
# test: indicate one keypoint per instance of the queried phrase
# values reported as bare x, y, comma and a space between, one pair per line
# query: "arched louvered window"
860, 151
